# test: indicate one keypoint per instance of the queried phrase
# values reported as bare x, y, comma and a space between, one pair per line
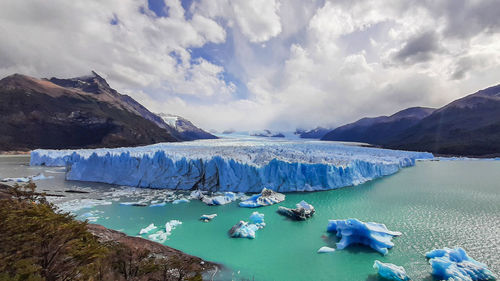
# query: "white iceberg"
325, 249
207, 218
391, 271
265, 198
456, 265
353, 231
37, 177
148, 229
225, 198
163, 234
245, 229
181, 200
237, 165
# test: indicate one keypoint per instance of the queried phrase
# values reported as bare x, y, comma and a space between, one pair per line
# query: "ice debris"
207, 218
303, 211
39, 176
456, 265
148, 229
226, 197
160, 204
245, 229
354, 231
265, 198
236, 165
325, 249
162, 235
181, 200
391, 271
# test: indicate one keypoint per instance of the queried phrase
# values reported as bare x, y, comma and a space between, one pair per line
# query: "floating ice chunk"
196, 195
353, 231
148, 229
303, 211
171, 225
456, 265
245, 229
207, 218
77, 204
161, 204
159, 236
136, 204
181, 200
325, 249
226, 198
162, 235
265, 198
39, 176
391, 271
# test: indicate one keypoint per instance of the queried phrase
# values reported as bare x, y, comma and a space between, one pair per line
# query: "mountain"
184, 127
377, 130
74, 113
469, 126
267, 133
316, 133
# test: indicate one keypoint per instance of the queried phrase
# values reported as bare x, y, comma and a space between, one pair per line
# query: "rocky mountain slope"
469, 126
376, 130
74, 113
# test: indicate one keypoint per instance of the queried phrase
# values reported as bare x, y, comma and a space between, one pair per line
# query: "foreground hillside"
38, 243
76, 113
469, 126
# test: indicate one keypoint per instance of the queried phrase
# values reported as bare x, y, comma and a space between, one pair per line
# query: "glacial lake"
434, 204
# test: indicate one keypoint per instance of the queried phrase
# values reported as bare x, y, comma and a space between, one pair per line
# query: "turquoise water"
434, 204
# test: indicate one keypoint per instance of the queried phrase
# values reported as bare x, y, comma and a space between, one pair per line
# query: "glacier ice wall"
245, 165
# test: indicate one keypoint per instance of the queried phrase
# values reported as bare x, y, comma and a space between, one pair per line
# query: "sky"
257, 64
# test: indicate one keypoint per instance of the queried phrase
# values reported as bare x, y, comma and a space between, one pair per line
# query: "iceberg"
391, 271
237, 165
456, 265
162, 235
207, 218
227, 197
302, 211
147, 229
245, 229
265, 198
40, 176
354, 231
181, 200
325, 249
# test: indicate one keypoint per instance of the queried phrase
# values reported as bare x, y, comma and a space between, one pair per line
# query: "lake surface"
434, 204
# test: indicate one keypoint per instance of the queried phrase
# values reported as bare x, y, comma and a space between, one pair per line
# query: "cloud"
419, 48
258, 64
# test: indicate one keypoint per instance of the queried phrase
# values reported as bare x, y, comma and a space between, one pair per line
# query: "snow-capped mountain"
184, 127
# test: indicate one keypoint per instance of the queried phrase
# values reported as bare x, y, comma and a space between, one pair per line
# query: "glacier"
391, 271
354, 231
455, 264
238, 165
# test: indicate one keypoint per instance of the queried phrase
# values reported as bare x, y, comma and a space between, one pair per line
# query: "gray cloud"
420, 48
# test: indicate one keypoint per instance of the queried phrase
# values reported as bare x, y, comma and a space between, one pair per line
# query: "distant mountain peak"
92, 83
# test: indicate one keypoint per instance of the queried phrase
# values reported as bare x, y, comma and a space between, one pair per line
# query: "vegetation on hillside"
39, 243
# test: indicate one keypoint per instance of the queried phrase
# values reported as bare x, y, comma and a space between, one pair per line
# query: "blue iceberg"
353, 231
391, 271
456, 265
265, 198
245, 229
303, 211
181, 200
231, 165
225, 198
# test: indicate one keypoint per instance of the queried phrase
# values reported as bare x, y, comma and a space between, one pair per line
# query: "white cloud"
298, 63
